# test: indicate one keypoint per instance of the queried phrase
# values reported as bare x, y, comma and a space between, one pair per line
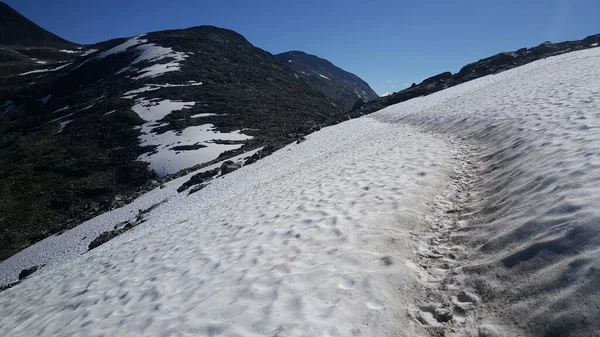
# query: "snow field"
320, 248
531, 235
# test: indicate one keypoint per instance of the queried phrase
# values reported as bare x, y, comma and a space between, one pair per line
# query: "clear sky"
389, 44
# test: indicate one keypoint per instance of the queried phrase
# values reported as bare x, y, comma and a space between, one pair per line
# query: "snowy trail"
326, 249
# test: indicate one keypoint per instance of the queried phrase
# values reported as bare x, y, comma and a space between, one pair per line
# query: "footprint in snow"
347, 284
375, 304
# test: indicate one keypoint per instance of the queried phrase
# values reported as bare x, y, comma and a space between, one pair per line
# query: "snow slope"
311, 240
533, 234
331, 237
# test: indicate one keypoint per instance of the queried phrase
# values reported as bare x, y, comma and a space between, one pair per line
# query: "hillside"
484, 67
342, 87
86, 129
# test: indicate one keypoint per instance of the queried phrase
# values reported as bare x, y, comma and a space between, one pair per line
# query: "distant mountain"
487, 66
342, 87
84, 129
17, 30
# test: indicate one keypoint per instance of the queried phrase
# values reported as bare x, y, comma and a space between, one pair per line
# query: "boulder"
229, 166
26, 272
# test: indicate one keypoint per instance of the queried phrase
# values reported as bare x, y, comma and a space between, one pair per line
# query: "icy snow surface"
317, 239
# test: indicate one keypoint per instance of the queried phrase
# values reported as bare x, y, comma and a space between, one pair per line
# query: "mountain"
487, 66
17, 30
87, 128
342, 87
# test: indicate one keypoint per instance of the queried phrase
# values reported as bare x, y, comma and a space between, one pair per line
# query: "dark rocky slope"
483, 67
54, 175
342, 87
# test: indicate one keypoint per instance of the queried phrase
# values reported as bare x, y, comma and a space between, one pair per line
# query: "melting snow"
123, 46
46, 70
158, 69
89, 52
153, 110
69, 51
149, 52
202, 115
165, 160
62, 109
62, 117
63, 124
325, 77
152, 87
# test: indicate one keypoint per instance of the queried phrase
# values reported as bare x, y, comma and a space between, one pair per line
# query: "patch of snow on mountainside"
325, 77
62, 125
158, 69
46, 70
147, 52
203, 115
171, 156
197, 141
123, 46
152, 87
89, 52
153, 53
154, 110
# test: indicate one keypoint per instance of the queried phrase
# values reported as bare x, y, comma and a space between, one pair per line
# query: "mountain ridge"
343, 87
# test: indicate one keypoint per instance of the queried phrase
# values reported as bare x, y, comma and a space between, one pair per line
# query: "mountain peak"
15, 29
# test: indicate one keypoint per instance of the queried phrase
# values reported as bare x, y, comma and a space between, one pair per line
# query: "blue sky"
389, 44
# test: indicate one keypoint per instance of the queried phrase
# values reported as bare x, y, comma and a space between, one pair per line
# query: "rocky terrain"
87, 128
342, 87
487, 66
